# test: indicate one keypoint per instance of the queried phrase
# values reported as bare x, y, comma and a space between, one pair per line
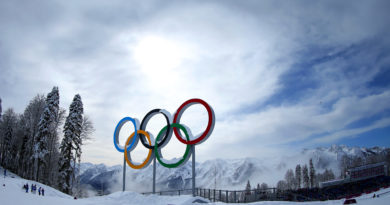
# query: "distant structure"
0, 108
368, 171
360, 173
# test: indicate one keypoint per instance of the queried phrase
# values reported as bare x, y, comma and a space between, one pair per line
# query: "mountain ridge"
222, 173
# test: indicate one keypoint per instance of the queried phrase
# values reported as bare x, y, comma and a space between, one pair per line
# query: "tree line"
30, 142
304, 177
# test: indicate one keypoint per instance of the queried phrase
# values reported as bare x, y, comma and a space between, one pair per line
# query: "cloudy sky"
280, 75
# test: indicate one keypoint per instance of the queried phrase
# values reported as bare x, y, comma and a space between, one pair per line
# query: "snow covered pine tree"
48, 117
71, 140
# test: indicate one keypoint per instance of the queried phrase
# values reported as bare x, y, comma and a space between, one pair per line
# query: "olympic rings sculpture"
163, 136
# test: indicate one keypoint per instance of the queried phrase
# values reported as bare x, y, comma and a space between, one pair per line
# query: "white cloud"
232, 55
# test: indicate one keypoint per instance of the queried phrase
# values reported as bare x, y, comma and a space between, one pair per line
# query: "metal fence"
171, 192
246, 196
272, 194
238, 196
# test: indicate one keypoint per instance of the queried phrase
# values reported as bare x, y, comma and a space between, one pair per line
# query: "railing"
171, 192
237, 196
240, 196
246, 196
272, 194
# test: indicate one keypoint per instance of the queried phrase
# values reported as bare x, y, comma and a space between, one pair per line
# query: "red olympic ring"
210, 124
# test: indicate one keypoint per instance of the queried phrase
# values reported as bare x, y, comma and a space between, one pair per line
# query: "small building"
360, 173
367, 171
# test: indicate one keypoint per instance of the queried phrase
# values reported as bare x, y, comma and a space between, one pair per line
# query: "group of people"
375, 196
34, 189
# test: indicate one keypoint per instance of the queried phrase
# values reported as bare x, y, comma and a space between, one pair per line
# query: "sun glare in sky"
157, 55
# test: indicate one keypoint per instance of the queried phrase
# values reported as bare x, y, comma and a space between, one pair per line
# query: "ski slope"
12, 193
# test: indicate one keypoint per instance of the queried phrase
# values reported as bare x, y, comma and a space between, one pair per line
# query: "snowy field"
12, 193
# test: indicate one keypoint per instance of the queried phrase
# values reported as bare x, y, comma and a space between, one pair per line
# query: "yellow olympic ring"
147, 160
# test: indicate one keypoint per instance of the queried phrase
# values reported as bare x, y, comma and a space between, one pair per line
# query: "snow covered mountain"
213, 173
97, 177
221, 173
332, 157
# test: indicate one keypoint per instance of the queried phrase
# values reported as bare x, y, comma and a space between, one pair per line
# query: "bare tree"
264, 186
289, 178
281, 185
87, 129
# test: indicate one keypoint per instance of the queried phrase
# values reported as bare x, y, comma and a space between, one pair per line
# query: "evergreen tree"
72, 141
64, 164
57, 115
40, 147
77, 119
248, 188
45, 133
247, 196
298, 176
305, 176
312, 174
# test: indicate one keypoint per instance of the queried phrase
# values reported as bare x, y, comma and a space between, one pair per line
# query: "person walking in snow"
5, 172
39, 191
43, 192
26, 187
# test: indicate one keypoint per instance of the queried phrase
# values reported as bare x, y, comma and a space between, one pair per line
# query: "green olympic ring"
186, 154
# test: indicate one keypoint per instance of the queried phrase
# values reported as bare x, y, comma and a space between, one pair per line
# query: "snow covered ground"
11, 193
